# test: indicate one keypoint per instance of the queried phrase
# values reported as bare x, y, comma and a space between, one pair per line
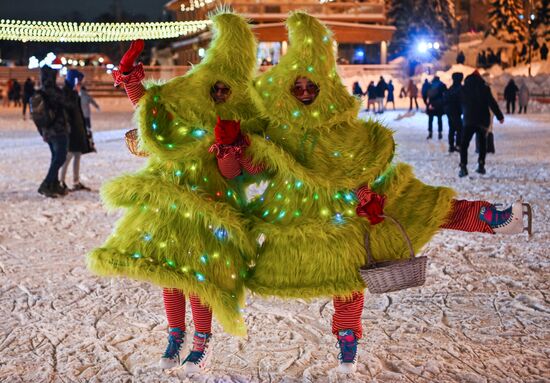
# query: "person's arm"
493, 105
93, 102
131, 75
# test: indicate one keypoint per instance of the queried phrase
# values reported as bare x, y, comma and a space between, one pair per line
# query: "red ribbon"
371, 205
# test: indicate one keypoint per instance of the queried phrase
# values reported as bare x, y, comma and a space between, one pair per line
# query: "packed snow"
482, 316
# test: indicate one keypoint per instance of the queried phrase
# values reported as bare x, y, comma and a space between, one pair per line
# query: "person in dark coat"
477, 100
78, 137
412, 91
391, 96
381, 88
436, 107
55, 134
16, 93
424, 92
510, 93
460, 58
371, 96
453, 109
357, 91
28, 92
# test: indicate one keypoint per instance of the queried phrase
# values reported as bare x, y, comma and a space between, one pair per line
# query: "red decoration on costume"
371, 205
227, 131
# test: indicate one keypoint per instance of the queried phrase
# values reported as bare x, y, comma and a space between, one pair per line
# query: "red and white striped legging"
464, 216
174, 305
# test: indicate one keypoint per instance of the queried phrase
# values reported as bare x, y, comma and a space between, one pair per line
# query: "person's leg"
451, 136
25, 109
440, 126
174, 306
70, 156
430, 125
76, 168
464, 143
513, 106
198, 358
416, 102
346, 325
507, 106
482, 137
410, 104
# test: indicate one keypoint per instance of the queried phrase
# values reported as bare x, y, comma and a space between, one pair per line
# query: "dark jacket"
424, 90
381, 88
435, 97
28, 90
53, 96
371, 92
78, 137
476, 100
511, 91
453, 107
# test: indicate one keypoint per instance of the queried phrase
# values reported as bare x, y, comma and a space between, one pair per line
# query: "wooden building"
360, 27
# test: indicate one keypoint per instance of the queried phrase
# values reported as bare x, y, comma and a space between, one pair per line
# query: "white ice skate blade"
346, 368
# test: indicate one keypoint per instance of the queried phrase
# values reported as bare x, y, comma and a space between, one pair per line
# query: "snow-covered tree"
415, 19
505, 20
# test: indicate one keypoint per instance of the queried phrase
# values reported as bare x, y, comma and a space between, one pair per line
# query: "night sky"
51, 10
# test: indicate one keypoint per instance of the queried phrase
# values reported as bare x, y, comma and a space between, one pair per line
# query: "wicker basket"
131, 137
388, 276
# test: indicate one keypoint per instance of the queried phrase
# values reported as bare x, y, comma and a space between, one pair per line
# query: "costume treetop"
182, 228
316, 156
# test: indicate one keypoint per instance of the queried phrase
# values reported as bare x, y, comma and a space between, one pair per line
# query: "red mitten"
371, 205
127, 61
227, 131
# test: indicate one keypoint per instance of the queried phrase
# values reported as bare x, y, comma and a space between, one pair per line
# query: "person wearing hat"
78, 136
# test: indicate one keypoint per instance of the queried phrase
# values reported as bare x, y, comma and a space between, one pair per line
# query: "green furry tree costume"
183, 227
316, 156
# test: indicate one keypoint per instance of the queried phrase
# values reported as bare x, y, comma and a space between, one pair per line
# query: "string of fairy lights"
54, 31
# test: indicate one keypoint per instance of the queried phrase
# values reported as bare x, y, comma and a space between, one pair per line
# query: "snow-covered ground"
483, 315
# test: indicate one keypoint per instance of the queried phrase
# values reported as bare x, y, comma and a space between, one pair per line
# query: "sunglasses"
310, 88
223, 90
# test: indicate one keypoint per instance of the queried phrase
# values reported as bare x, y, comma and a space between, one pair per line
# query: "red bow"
371, 205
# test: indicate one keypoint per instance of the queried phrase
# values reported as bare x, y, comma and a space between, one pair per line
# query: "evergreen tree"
541, 24
505, 21
416, 19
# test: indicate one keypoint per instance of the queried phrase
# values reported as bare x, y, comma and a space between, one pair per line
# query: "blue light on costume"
198, 133
338, 219
348, 197
147, 237
298, 184
200, 277
204, 259
220, 233
136, 255
154, 125
178, 173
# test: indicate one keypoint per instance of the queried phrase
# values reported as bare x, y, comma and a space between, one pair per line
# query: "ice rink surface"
482, 316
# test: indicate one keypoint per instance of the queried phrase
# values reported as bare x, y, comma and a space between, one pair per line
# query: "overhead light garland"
54, 31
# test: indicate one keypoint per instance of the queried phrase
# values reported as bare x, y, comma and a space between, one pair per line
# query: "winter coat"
391, 97
523, 98
85, 101
435, 98
381, 88
477, 99
28, 90
425, 89
371, 92
453, 107
55, 100
412, 90
78, 137
510, 91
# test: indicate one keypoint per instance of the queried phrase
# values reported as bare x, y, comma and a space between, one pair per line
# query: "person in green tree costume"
183, 229
327, 170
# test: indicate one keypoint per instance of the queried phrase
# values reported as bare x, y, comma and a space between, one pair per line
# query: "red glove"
127, 61
227, 131
371, 205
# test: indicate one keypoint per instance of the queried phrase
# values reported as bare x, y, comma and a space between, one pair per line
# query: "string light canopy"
54, 31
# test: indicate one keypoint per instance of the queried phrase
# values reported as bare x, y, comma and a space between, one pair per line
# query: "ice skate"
171, 357
348, 352
510, 220
198, 359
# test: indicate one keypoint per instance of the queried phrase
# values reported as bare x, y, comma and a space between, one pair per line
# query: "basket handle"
370, 258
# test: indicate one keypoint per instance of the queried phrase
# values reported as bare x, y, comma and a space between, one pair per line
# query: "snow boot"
463, 172
439, 135
171, 357
80, 186
46, 190
481, 168
60, 188
199, 357
348, 352
510, 220
429, 136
